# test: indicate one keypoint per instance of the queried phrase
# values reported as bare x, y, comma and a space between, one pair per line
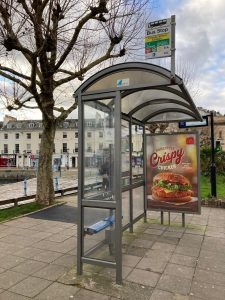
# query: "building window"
220, 135
64, 147
6, 136
76, 147
5, 148
38, 151
66, 124
17, 136
28, 148
100, 134
76, 135
89, 149
17, 148
54, 148
89, 134
64, 135
40, 135
28, 136
100, 146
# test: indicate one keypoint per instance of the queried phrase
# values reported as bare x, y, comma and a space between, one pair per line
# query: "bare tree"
186, 70
157, 127
47, 44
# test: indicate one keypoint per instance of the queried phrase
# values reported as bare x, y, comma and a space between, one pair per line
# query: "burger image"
170, 187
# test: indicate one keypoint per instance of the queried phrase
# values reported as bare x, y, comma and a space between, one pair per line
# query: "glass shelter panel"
171, 116
132, 78
99, 245
132, 101
137, 153
143, 113
138, 201
125, 208
99, 147
125, 153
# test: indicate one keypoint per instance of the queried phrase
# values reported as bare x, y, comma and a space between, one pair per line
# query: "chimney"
8, 118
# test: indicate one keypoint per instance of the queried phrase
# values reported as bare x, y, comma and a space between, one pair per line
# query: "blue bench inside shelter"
101, 225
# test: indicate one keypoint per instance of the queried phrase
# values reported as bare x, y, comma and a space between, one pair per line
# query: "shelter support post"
162, 217
80, 233
117, 189
169, 218
145, 176
131, 228
183, 219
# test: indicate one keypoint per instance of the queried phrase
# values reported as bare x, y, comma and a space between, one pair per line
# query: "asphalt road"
63, 213
69, 213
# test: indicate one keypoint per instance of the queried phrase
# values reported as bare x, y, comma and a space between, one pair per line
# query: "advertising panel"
173, 172
158, 39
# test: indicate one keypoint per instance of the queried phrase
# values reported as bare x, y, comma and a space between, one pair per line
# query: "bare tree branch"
94, 11
90, 66
14, 72
14, 79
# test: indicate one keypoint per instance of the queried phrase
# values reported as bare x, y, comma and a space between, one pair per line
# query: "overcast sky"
200, 43
200, 40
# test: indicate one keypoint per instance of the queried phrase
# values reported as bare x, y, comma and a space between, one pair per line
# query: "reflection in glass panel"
138, 201
99, 242
137, 152
125, 153
98, 152
126, 208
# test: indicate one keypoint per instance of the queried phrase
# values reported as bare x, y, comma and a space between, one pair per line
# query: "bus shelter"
115, 105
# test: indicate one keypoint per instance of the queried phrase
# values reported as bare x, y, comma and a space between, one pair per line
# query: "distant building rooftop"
34, 124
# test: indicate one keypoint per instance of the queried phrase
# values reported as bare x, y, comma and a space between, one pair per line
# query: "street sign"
158, 39
202, 123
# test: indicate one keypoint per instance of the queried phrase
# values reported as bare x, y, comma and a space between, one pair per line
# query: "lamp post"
213, 165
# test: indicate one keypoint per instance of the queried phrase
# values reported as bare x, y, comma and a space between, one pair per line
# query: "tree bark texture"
45, 186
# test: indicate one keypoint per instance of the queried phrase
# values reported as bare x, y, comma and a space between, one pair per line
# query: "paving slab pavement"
160, 262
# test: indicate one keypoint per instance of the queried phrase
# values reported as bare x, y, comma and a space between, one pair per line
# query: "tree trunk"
45, 186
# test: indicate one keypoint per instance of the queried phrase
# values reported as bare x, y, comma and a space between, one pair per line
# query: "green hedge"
205, 161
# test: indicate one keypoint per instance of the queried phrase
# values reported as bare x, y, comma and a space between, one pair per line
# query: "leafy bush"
205, 161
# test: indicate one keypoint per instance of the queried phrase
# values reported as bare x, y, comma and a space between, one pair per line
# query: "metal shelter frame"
139, 93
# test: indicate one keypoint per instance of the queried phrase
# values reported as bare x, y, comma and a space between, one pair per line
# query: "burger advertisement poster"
173, 172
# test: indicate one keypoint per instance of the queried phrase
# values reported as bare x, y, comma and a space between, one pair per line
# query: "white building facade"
20, 143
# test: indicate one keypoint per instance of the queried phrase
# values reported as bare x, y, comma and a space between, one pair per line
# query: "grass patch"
12, 212
206, 186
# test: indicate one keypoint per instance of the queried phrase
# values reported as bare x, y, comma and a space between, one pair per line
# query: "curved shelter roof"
147, 92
